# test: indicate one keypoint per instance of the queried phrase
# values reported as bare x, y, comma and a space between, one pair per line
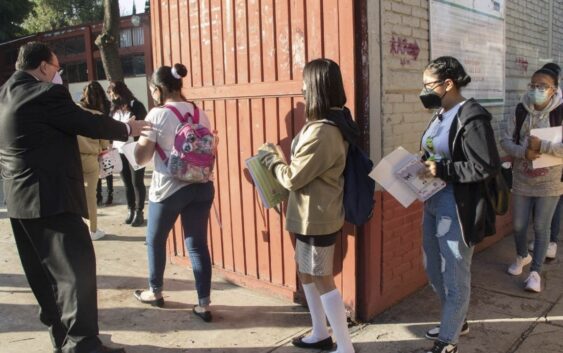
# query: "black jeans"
135, 190
59, 262
109, 182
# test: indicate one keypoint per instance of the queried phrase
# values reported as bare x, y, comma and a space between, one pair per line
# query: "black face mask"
431, 99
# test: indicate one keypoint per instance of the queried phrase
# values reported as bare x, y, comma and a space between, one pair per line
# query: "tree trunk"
108, 41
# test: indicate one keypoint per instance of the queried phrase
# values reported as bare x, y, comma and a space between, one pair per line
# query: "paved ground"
503, 318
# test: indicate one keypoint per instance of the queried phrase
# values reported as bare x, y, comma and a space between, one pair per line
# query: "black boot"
99, 199
130, 214
138, 219
109, 200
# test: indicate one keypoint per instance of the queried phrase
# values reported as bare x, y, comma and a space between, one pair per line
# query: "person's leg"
431, 257
139, 187
99, 192
109, 183
195, 218
521, 209
319, 331
90, 183
127, 179
162, 216
556, 222
456, 272
41, 284
543, 215
140, 193
66, 252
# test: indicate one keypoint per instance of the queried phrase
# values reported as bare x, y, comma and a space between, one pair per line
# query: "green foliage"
48, 15
12, 12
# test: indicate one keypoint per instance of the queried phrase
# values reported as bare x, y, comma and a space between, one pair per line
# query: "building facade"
80, 58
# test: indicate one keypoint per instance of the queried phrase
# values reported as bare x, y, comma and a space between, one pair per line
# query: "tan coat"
315, 180
90, 149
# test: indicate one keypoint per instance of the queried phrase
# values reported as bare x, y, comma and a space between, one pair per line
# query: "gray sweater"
526, 180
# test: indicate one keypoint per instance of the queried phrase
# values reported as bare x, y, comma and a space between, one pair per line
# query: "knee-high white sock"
320, 331
336, 314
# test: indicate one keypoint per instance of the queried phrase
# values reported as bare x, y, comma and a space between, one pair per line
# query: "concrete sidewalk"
503, 318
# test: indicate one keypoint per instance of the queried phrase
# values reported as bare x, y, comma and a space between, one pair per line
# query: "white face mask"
57, 79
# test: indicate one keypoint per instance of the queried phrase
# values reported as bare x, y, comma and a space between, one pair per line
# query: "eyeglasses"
440, 82
540, 87
59, 70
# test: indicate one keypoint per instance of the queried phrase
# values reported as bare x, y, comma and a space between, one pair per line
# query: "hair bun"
464, 80
181, 70
556, 69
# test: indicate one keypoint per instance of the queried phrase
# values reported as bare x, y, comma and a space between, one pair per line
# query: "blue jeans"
542, 209
447, 261
192, 203
556, 222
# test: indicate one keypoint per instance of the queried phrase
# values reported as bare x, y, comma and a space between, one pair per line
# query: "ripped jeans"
447, 261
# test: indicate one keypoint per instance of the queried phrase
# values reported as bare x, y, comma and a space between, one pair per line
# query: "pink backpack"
193, 154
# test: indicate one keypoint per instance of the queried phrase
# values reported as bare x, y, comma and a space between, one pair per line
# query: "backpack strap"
520, 116
556, 116
182, 119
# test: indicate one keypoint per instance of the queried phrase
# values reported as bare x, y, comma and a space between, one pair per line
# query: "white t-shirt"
124, 117
164, 123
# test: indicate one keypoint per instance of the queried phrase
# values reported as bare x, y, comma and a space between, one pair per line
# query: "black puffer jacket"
475, 160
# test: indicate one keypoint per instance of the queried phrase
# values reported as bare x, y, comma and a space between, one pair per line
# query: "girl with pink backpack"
183, 150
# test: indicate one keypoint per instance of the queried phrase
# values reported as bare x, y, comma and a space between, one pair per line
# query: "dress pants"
59, 262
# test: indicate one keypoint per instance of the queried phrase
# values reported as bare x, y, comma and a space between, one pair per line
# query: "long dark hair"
448, 67
94, 97
124, 96
324, 88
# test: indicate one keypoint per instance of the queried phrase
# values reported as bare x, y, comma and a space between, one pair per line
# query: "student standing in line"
315, 211
170, 197
534, 191
459, 147
92, 100
124, 107
556, 221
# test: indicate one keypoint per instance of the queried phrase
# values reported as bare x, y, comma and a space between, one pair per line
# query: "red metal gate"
245, 61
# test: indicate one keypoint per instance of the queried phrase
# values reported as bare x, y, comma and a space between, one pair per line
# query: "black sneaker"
443, 347
433, 333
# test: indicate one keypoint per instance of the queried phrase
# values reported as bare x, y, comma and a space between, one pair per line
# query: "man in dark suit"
44, 191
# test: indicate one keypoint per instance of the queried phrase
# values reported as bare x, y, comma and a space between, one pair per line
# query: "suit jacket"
39, 155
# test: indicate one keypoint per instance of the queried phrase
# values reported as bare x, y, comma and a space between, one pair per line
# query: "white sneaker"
531, 245
99, 234
516, 268
533, 283
551, 251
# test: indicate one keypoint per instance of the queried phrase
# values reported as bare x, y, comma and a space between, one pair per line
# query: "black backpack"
359, 188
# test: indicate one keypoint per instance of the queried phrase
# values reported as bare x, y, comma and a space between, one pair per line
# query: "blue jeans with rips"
192, 203
447, 260
542, 209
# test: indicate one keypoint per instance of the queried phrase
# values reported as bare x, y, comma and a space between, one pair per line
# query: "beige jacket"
90, 149
315, 180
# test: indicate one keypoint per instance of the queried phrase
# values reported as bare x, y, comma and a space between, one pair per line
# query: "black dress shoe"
205, 316
324, 344
106, 349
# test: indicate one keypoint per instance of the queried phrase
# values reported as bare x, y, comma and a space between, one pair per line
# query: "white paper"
552, 134
398, 174
129, 153
384, 174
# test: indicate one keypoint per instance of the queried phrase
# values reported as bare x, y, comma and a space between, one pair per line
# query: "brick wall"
403, 40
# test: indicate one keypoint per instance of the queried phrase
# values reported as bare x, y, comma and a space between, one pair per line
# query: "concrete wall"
399, 52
